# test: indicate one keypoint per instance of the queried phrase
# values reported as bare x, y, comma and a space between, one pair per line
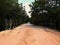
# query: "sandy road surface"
28, 34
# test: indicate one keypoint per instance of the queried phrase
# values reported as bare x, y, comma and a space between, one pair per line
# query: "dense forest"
43, 13
12, 14
46, 13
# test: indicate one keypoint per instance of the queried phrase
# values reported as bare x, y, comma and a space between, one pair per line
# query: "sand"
28, 34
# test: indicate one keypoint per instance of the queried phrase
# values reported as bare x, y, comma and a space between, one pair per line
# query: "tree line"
43, 13
12, 14
46, 13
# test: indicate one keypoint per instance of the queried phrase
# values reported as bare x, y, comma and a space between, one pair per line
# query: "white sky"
27, 8
26, 4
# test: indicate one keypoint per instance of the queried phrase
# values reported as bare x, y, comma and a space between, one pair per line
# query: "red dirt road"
27, 34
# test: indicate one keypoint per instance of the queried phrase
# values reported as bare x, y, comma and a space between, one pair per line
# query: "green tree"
12, 14
46, 13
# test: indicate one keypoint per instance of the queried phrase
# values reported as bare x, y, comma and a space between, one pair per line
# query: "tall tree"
45, 13
12, 14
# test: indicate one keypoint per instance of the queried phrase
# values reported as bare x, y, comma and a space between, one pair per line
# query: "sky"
25, 1
26, 4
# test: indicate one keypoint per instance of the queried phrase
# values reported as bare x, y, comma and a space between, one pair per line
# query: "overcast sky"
26, 4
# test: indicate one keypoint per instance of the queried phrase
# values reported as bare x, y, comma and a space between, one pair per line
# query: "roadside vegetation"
46, 13
43, 13
12, 14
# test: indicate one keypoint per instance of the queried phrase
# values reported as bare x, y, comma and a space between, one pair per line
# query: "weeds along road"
27, 34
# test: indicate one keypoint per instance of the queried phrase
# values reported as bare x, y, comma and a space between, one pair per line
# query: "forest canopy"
46, 13
12, 14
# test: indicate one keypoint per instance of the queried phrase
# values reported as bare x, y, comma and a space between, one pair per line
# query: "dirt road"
28, 34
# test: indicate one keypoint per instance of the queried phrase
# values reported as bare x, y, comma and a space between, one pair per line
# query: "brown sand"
27, 34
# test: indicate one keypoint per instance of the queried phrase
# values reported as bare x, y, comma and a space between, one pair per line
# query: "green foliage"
12, 14
46, 13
